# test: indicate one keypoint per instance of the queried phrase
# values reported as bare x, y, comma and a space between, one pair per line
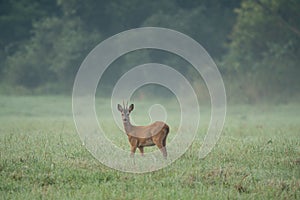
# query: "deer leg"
164, 141
163, 150
161, 144
141, 150
133, 145
133, 149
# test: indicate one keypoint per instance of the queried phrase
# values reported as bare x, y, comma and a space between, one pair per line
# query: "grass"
41, 156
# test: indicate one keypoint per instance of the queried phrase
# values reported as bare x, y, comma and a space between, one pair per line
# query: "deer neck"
128, 127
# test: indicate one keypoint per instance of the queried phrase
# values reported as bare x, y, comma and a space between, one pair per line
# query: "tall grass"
41, 156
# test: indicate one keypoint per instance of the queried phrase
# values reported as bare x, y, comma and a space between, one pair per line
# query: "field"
42, 157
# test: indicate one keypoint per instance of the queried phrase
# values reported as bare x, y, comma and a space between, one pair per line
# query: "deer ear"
120, 108
131, 107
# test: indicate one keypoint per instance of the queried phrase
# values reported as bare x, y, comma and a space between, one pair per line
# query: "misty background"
255, 44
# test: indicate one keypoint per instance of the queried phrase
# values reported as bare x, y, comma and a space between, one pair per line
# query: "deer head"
125, 111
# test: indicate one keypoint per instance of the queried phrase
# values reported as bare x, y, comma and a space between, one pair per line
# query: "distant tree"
16, 18
208, 22
53, 45
53, 54
265, 46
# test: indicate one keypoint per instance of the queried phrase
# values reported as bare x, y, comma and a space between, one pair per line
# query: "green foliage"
43, 43
208, 23
54, 53
16, 20
266, 41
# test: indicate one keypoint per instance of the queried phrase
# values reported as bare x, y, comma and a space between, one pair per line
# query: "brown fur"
143, 136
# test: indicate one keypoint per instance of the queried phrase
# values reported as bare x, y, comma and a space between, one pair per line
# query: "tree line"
255, 43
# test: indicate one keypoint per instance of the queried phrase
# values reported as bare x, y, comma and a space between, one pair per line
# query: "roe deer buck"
143, 136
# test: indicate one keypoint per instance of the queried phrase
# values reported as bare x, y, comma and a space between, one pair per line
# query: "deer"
144, 136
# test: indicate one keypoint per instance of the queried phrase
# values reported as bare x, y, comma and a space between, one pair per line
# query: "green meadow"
42, 156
